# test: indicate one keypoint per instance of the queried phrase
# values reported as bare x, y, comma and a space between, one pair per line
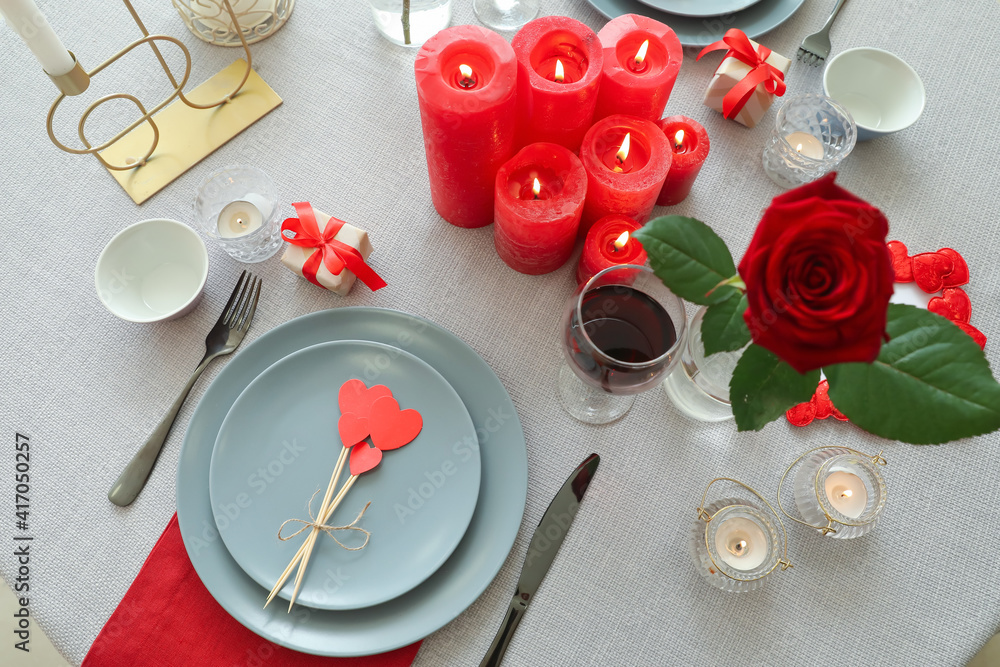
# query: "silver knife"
542, 551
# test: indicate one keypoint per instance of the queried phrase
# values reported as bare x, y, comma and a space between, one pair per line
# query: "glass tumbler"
812, 134
425, 19
622, 331
238, 208
505, 14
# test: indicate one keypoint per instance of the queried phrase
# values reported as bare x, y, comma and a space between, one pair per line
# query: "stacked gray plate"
471, 436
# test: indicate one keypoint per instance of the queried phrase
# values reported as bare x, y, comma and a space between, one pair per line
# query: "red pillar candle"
559, 65
623, 176
689, 142
466, 85
539, 199
609, 243
637, 79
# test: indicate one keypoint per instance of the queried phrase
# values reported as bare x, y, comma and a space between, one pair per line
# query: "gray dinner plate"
699, 8
279, 445
754, 21
447, 592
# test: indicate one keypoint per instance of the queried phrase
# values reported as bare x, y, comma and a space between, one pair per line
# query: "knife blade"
542, 549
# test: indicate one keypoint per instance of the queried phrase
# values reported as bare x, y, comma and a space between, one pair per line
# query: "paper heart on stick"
953, 304
364, 458
357, 398
353, 429
391, 428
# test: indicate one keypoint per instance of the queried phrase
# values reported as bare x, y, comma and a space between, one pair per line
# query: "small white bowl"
882, 92
152, 271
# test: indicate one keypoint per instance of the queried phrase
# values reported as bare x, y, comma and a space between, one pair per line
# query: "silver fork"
816, 47
224, 337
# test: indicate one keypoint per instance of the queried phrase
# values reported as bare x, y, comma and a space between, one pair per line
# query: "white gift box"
731, 71
295, 257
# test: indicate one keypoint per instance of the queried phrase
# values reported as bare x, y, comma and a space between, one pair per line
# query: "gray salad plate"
456, 584
279, 445
699, 8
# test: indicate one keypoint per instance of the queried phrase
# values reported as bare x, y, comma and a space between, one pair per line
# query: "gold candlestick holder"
180, 131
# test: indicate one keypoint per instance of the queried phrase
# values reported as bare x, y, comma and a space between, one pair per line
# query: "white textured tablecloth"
922, 588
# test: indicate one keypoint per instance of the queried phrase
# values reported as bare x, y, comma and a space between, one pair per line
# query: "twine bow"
335, 255
761, 72
329, 530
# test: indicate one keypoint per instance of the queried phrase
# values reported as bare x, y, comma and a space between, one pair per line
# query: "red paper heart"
801, 414
930, 270
953, 304
364, 458
356, 398
901, 264
960, 270
353, 429
391, 428
824, 406
976, 334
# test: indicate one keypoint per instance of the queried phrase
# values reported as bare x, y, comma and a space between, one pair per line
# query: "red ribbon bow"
334, 254
738, 46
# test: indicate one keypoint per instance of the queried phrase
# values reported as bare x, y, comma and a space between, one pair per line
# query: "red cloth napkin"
169, 618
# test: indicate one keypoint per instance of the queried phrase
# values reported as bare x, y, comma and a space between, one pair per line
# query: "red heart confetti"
391, 428
801, 414
901, 263
356, 398
976, 334
353, 429
824, 406
960, 271
364, 458
953, 304
930, 270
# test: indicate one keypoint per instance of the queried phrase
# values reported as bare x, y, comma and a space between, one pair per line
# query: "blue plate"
754, 21
279, 445
699, 8
446, 593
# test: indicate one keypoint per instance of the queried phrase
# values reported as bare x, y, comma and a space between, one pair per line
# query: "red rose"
819, 277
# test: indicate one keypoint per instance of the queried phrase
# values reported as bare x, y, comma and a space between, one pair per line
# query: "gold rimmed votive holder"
736, 543
839, 492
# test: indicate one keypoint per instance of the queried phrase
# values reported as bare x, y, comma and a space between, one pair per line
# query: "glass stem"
406, 21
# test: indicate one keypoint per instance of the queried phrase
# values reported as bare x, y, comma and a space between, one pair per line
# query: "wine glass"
622, 332
505, 14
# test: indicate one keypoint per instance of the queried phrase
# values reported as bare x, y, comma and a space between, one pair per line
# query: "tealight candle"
538, 202
240, 218
689, 142
840, 492
466, 79
741, 543
627, 160
806, 144
609, 242
641, 60
559, 63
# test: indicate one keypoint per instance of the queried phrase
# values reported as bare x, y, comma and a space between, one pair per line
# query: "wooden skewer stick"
312, 535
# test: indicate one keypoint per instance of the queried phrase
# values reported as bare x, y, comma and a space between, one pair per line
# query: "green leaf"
930, 384
723, 329
764, 386
689, 258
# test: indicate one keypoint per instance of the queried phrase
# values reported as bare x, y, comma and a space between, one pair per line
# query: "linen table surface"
921, 589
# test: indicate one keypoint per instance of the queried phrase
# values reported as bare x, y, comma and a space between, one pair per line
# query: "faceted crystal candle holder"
811, 135
831, 482
738, 548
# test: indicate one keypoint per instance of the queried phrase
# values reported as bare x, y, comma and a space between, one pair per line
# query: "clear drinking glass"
426, 18
700, 387
238, 208
811, 135
622, 331
505, 14
816, 491
738, 549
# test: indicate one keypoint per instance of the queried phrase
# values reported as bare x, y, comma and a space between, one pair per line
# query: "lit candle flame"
621, 241
679, 138
623, 151
798, 149
847, 493
560, 72
640, 55
536, 188
465, 70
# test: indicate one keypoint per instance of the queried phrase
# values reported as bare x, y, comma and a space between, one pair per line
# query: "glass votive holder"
811, 135
425, 19
839, 491
238, 208
210, 21
699, 387
735, 544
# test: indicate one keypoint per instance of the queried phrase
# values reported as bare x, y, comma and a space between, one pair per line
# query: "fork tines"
809, 58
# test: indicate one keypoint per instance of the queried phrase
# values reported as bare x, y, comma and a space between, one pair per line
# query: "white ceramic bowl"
882, 92
152, 271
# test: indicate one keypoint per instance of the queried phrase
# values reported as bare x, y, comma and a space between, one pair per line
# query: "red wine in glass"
619, 338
